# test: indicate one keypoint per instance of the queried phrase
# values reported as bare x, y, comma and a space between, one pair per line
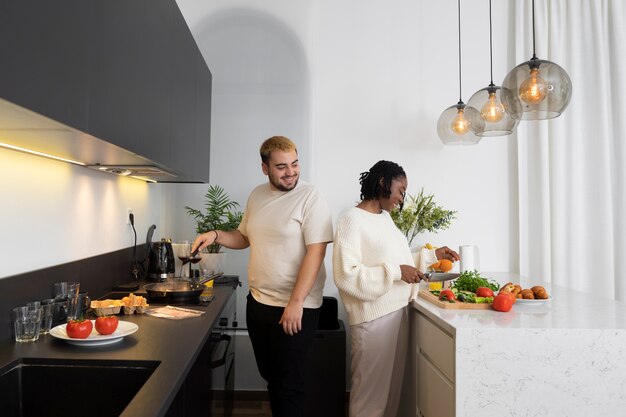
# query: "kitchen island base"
564, 358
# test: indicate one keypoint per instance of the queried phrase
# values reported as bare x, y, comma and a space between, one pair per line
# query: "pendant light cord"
534, 55
490, 46
459, 15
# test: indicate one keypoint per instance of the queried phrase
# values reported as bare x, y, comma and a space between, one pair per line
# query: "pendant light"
458, 123
536, 89
497, 122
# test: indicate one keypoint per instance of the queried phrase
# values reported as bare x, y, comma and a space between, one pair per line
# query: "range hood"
23, 129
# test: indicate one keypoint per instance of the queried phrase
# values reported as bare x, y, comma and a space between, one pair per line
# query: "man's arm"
232, 239
292, 316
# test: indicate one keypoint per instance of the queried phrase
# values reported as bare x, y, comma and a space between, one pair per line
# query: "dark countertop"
173, 343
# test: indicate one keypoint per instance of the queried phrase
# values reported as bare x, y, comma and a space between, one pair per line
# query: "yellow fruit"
429, 246
435, 285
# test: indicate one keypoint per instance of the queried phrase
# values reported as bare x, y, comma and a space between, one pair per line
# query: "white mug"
469, 258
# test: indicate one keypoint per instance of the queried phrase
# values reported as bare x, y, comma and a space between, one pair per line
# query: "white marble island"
566, 357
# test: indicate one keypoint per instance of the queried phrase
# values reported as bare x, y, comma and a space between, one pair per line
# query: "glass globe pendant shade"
495, 120
457, 123
536, 90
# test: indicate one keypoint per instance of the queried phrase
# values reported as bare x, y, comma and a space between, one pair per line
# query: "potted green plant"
420, 214
220, 214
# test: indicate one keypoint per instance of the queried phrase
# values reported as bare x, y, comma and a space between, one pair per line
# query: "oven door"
223, 360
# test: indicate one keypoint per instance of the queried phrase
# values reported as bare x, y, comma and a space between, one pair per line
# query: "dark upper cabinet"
131, 77
44, 58
184, 66
203, 117
125, 72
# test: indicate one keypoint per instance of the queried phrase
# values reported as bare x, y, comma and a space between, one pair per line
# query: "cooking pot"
161, 264
174, 292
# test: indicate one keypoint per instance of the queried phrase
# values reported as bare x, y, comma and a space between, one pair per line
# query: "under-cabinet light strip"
143, 179
45, 155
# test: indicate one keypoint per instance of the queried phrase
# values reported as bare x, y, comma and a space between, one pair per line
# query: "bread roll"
540, 292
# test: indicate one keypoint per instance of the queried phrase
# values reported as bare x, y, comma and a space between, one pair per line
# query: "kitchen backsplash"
96, 276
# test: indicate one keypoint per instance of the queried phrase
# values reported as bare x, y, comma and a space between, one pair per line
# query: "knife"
440, 276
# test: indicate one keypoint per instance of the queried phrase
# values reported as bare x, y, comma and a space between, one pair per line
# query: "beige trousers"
379, 354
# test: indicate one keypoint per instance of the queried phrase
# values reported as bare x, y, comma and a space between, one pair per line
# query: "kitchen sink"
50, 387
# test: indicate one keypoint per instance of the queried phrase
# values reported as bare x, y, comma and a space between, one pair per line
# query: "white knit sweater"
367, 253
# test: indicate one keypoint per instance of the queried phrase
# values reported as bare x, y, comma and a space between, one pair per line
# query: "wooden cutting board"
428, 296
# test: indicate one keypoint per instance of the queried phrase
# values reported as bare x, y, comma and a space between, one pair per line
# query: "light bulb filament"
534, 89
460, 124
492, 111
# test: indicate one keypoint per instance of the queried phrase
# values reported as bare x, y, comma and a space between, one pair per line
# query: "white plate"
534, 302
124, 328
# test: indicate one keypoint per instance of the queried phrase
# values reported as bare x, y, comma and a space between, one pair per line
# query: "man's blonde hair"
276, 143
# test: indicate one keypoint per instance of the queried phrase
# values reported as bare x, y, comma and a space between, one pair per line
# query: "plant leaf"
421, 214
220, 214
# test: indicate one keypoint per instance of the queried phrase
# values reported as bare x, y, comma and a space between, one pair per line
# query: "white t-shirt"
367, 253
279, 225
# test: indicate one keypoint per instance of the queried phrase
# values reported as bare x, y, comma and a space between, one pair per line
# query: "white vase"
212, 263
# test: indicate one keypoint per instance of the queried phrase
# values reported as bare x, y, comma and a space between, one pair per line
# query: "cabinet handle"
221, 352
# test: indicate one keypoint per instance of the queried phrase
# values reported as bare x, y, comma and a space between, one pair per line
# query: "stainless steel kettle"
161, 260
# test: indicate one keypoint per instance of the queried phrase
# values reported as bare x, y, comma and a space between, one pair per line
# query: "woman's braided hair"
371, 187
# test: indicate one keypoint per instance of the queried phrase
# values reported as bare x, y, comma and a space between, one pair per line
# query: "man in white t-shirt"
287, 225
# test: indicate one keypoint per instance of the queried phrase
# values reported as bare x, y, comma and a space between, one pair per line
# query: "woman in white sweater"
374, 271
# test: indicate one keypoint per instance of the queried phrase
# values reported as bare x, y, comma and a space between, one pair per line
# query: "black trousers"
282, 360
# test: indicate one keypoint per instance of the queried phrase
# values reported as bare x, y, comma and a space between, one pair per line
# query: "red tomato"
106, 325
447, 295
502, 302
484, 292
79, 329
510, 295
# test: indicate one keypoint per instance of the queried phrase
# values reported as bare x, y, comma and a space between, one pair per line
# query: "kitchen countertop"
173, 343
562, 358
567, 309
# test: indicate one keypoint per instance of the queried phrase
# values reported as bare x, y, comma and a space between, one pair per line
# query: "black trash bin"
326, 383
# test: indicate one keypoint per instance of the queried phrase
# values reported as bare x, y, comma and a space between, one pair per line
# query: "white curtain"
572, 175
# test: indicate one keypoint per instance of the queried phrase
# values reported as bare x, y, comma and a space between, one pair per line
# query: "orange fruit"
442, 265
445, 265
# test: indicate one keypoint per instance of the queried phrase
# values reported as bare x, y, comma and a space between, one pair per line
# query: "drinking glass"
184, 252
194, 274
27, 321
77, 306
47, 315
65, 290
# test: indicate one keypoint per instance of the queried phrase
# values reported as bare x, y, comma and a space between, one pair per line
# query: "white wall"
53, 212
373, 79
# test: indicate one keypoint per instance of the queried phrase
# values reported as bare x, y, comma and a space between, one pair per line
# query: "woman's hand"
445, 252
411, 274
